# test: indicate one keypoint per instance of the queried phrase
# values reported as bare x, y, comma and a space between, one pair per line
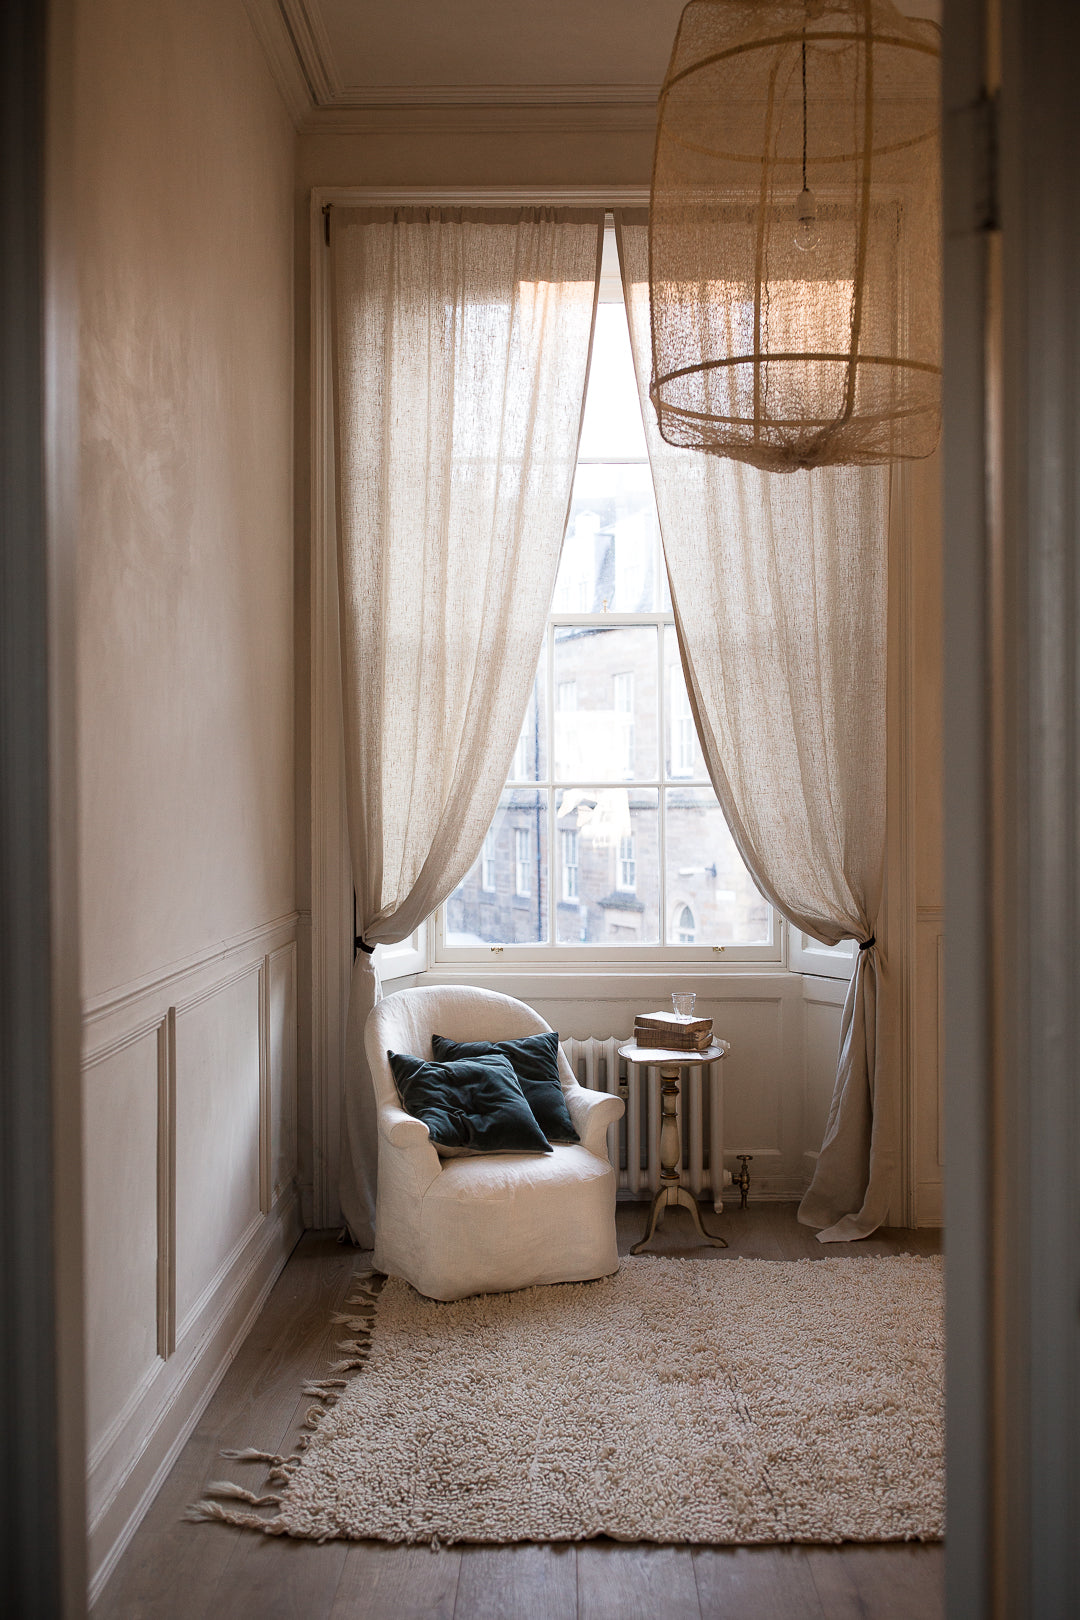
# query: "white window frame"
807, 955
408, 957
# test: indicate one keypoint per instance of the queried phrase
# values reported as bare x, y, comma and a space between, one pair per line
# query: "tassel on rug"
236, 1493
358, 1315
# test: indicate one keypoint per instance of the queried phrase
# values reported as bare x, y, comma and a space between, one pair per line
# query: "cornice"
300, 59
499, 95
520, 118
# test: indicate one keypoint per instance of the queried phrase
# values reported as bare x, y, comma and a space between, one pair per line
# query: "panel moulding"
133, 1458
215, 1285
284, 1115
166, 1186
265, 1098
130, 1458
147, 997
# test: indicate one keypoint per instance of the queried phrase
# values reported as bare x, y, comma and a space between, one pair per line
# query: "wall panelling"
191, 1207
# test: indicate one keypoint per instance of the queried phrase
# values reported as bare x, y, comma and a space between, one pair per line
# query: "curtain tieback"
360, 945
867, 943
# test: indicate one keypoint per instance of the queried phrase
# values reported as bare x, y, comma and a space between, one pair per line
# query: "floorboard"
517, 1583
174, 1570
903, 1582
400, 1583
758, 1583
617, 1582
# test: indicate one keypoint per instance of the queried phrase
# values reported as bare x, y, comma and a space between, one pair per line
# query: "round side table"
670, 1062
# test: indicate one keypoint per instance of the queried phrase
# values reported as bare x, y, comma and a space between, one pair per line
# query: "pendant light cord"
804, 108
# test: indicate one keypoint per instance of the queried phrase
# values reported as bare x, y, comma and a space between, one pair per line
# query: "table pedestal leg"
671, 1164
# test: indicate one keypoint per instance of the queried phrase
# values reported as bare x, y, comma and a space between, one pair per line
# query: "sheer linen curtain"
779, 586
460, 349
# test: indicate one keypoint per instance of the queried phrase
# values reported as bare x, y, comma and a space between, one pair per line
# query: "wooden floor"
178, 1571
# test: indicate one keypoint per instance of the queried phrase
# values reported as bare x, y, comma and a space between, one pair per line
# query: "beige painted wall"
185, 567
186, 738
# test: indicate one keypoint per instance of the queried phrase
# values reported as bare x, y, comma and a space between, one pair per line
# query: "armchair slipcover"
483, 1224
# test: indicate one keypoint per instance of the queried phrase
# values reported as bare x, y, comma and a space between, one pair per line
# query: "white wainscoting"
191, 1207
823, 1005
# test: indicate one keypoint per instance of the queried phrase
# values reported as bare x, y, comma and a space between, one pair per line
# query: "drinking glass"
682, 1003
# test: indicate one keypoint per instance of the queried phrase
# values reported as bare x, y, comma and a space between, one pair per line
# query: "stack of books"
665, 1029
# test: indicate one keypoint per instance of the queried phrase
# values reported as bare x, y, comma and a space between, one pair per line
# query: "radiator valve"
742, 1180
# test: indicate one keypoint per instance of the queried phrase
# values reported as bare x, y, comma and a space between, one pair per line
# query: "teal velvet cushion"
535, 1061
473, 1105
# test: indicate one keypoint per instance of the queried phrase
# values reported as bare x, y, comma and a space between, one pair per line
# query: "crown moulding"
479, 120
300, 61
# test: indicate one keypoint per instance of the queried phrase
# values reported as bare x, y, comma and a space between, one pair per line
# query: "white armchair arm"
592, 1112
402, 1129
411, 1140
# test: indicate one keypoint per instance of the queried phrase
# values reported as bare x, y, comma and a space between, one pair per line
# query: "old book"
670, 1021
691, 1048
694, 1041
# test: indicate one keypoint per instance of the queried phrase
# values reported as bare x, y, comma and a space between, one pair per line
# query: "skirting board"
929, 1203
173, 1401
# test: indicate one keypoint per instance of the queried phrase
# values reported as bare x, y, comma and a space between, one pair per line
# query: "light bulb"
806, 235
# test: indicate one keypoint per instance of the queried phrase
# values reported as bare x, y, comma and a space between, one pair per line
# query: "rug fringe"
237, 1493
205, 1511
358, 1316
249, 1454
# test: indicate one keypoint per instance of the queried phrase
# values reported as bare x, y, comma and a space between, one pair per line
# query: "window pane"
709, 891
612, 423
683, 759
605, 704
529, 763
502, 900
608, 867
611, 554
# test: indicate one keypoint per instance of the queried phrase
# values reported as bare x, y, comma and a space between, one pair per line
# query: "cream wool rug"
678, 1401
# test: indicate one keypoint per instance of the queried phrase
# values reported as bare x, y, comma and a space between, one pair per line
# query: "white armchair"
496, 1221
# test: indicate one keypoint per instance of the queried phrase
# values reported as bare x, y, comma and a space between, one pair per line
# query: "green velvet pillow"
535, 1061
474, 1105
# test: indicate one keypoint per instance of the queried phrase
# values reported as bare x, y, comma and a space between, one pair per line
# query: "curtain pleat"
460, 351
779, 585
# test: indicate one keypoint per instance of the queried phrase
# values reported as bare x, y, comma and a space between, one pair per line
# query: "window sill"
599, 981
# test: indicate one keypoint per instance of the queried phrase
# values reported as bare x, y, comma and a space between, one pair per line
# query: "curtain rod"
606, 197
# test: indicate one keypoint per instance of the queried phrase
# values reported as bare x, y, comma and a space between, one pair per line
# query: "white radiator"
634, 1142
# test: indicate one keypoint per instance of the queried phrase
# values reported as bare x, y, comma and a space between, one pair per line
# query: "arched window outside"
684, 927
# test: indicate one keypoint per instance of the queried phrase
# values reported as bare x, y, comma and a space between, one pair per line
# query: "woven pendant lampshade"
794, 254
